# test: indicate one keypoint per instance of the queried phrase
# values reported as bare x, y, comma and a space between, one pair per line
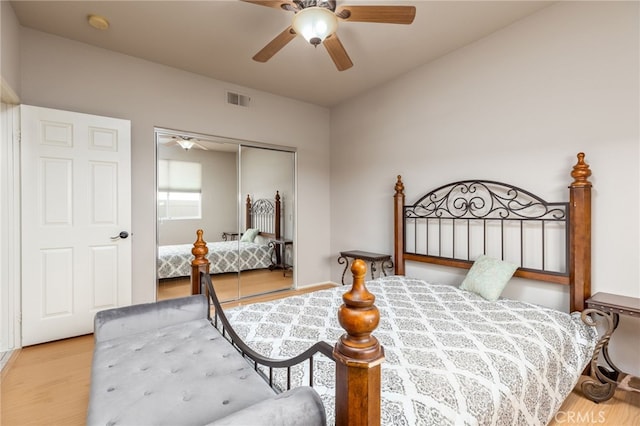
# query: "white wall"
63, 74
9, 48
516, 107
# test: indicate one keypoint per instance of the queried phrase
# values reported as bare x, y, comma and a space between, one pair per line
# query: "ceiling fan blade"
379, 14
167, 140
276, 4
275, 45
337, 52
198, 146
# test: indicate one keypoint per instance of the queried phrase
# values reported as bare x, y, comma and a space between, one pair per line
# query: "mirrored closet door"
267, 186
222, 186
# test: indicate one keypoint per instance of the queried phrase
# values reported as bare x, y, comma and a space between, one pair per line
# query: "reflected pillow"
249, 235
488, 277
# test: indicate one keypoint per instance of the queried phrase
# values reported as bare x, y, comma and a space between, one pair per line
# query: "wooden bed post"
398, 220
358, 356
277, 218
247, 217
580, 235
200, 263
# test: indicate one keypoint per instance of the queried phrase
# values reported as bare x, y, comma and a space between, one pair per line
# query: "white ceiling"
217, 38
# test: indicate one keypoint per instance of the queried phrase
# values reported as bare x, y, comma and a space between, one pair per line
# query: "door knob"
121, 235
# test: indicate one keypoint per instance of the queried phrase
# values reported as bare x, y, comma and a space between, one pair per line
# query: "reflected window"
179, 190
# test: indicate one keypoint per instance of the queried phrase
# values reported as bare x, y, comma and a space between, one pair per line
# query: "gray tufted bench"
165, 364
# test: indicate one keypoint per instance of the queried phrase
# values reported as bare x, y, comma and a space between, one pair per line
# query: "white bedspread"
225, 256
451, 356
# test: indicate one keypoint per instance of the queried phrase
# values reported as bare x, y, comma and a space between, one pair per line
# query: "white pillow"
249, 235
488, 277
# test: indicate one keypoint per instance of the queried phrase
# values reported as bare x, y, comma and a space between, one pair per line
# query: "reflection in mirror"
267, 182
248, 227
197, 189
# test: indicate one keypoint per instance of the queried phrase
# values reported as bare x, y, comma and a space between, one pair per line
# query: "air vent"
238, 99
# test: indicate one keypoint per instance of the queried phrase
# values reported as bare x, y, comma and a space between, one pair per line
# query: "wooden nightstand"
604, 379
384, 260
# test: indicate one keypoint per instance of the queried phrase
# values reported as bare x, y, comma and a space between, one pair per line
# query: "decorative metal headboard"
265, 215
502, 215
461, 220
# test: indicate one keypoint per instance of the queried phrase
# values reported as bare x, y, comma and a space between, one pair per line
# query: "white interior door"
76, 201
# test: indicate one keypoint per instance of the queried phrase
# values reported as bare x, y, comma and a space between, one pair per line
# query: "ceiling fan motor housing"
327, 4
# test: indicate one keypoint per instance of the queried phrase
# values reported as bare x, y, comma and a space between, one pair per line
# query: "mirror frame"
239, 144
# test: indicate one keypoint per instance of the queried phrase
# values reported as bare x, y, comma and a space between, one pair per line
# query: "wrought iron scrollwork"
599, 387
262, 207
474, 199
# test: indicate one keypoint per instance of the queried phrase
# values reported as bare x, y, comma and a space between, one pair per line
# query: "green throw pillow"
249, 235
488, 277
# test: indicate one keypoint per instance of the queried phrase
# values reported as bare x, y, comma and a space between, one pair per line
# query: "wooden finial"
359, 317
277, 196
399, 186
358, 356
199, 250
581, 172
200, 263
247, 213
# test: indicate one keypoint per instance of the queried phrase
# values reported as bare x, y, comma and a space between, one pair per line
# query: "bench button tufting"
111, 389
225, 402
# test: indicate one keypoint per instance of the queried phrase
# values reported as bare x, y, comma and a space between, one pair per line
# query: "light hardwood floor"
48, 384
252, 283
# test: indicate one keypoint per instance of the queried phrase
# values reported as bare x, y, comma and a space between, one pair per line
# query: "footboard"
358, 355
220, 321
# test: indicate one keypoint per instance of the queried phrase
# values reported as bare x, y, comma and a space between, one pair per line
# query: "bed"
450, 355
230, 256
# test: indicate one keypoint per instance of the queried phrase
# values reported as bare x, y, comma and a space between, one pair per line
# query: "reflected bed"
225, 256
231, 256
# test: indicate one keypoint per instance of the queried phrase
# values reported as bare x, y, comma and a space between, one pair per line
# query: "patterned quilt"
225, 256
452, 358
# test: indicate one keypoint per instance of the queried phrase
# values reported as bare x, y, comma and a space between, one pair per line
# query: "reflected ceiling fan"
185, 142
317, 22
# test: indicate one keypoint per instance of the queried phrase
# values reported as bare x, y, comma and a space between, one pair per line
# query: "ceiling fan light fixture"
185, 144
315, 24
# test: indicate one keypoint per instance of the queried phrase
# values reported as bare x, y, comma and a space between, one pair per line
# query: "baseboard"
6, 361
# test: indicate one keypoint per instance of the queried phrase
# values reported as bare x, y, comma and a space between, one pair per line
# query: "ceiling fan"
185, 142
317, 22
